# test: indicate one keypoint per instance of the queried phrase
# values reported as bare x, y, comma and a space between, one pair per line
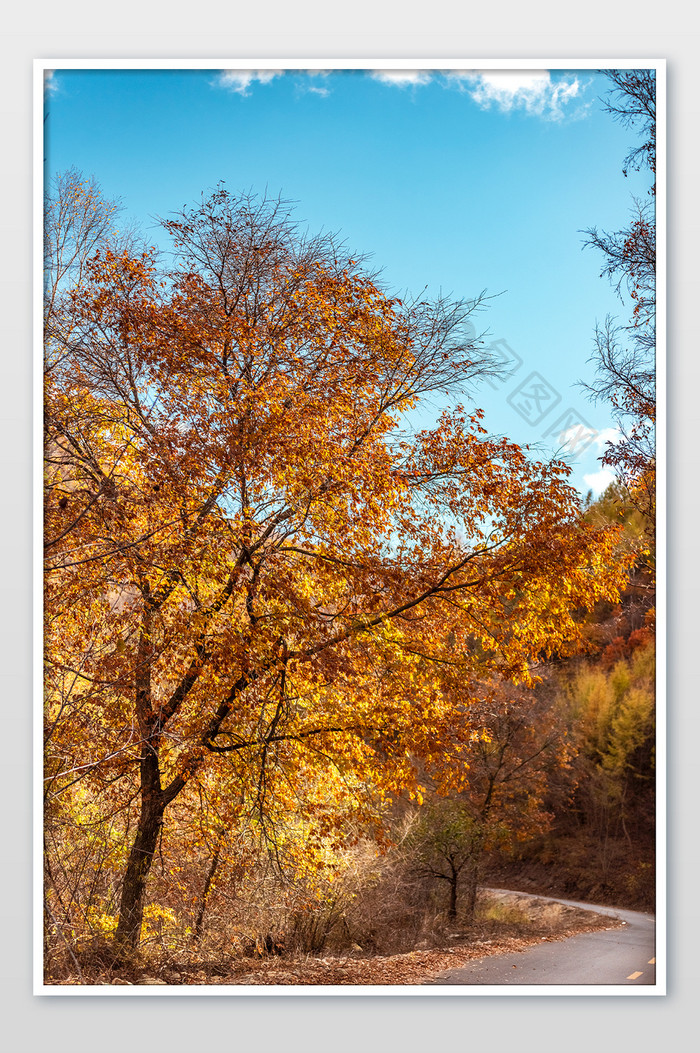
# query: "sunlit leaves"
262, 584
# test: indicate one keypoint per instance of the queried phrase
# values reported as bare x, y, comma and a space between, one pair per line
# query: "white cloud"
315, 88
402, 78
607, 435
533, 91
599, 481
240, 80
577, 435
50, 82
580, 436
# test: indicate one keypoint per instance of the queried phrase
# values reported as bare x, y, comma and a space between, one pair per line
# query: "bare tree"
625, 354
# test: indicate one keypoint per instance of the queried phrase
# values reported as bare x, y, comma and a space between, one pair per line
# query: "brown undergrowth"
505, 923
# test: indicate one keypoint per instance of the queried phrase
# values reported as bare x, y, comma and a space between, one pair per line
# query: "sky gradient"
450, 182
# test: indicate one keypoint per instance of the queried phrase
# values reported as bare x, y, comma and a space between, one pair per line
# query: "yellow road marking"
633, 976
652, 961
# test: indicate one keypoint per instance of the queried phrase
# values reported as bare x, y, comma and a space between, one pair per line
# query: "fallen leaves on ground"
411, 968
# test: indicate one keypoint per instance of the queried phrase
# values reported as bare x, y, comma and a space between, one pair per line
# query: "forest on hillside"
314, 674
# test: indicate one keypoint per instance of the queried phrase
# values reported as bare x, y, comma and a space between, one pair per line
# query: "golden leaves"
309, 588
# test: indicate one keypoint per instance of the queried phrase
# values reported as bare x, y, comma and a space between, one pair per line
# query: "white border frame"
43, 66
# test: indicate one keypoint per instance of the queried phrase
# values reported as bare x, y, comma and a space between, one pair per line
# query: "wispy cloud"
241, 80
50, 82
314, 81
602, 438
534, 92
403, 78
579, 435
599, 481
531, 91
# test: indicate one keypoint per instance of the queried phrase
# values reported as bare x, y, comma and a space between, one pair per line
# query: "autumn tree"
492, 785
256, 569
611, 710
616, 764
625, 353
78, 222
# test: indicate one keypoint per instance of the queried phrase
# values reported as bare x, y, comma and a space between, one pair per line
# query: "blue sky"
456, 181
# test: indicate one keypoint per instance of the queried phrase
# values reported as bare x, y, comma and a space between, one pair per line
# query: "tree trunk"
452, 911
143, 849
207, 886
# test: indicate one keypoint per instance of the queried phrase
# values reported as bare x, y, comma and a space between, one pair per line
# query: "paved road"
624, 956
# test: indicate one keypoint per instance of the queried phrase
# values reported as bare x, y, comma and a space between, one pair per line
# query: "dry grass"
504, 923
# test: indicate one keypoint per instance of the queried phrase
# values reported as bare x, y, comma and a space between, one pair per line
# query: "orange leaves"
270, 590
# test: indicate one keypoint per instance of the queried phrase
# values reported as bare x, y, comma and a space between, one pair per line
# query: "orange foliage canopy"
257, 574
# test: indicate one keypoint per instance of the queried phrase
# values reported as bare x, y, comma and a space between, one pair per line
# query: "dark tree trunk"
143, 849
452, 912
